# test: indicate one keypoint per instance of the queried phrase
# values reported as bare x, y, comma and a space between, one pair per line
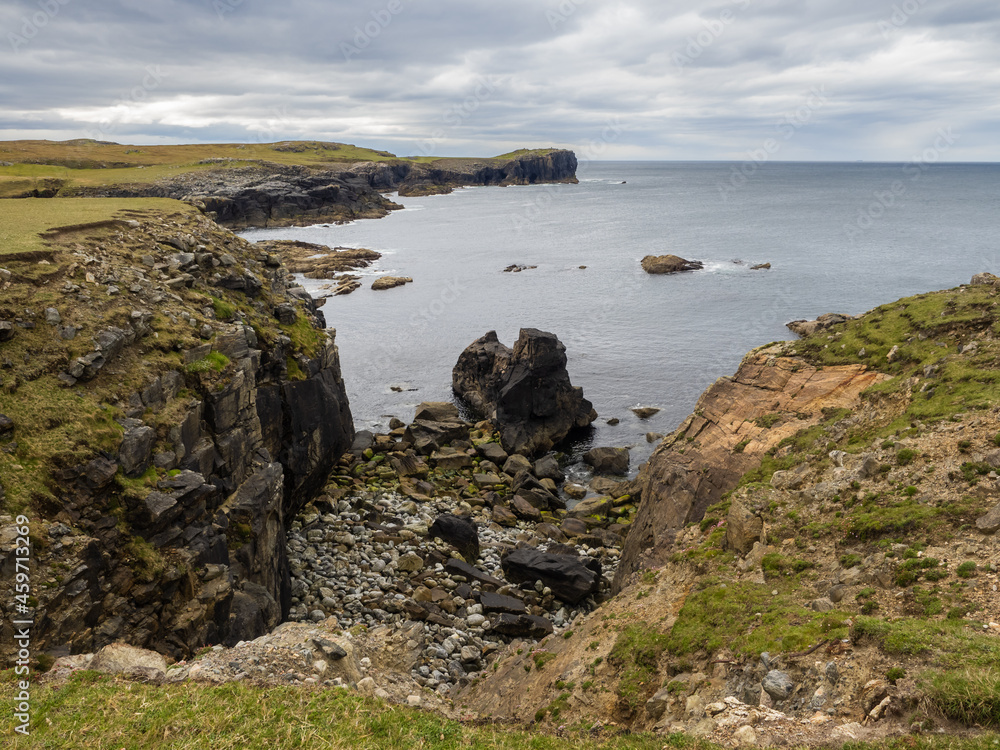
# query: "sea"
840, 237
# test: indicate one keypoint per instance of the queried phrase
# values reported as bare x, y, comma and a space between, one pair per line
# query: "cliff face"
268, 195
528, 169
737, 420
224, 411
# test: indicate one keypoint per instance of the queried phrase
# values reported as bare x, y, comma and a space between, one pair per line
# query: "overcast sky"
612, 79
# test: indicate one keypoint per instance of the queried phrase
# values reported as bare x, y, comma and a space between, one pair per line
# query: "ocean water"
839, 237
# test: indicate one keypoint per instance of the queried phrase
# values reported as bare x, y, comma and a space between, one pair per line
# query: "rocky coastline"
222, 512
275, 195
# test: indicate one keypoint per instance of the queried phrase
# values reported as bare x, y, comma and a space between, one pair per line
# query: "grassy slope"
104, 714
936, 380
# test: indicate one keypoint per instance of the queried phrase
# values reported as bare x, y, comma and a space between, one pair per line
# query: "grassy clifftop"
61, 168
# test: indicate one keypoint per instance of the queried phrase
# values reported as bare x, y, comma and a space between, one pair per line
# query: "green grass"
969, 696
725, 615
635, 655
23, 221
927, 329
211, 362
99, 713
954, 644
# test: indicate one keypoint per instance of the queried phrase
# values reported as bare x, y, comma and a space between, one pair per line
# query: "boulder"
575, 491
808, 327
744, 527
515, 464
669, 264
459, 533
500, 603
504, 517
594, 506
6, 330
492, 452
983, 279
608, 460
6, 424
521, 626
116, 658
426, 436
525, 391
569, 578
990, 523
437, 411
524, 510
534, 492
778, 685
547, 467
760, 267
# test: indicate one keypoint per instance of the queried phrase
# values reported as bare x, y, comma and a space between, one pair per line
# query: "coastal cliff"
736, 421
172, 399
267, 185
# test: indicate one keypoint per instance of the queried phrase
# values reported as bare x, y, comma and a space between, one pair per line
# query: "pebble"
340, 571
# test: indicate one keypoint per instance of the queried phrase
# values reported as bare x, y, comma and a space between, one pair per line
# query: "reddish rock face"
677, 486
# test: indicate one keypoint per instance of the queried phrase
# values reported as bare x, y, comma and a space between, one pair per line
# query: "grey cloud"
684, 79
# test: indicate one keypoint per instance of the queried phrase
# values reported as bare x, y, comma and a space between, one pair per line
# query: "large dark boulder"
525, 391
570, 578
459, 533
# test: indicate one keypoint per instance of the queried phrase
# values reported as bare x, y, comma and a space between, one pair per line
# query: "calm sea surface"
839, 237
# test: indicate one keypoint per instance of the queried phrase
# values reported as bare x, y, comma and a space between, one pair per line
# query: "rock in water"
569, 578
608, 460
669, 264
459, 533
388, 282
525, 391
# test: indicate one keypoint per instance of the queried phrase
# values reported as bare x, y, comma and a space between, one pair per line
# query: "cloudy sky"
613, 79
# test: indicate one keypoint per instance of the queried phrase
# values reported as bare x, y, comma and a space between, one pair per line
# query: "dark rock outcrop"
270, 194
525, 391
569, 578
